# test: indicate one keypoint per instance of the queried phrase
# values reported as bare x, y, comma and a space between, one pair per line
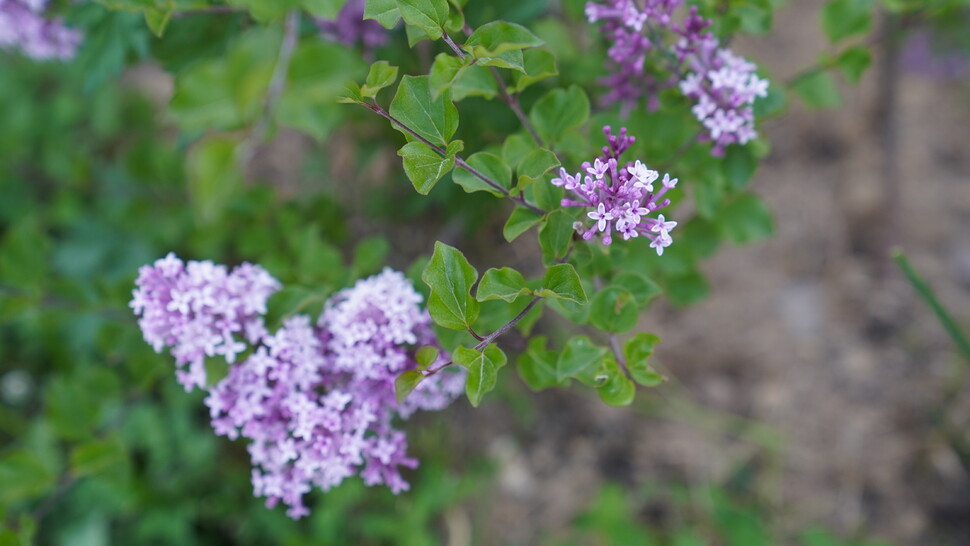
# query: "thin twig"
489, 339
277, 84
513, 102
886, 118
508, 325
614, 341
459, 162
507, 98
451, 44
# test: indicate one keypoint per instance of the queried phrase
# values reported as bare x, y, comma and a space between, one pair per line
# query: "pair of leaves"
560, 281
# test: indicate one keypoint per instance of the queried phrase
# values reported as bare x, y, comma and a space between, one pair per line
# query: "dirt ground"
813, 334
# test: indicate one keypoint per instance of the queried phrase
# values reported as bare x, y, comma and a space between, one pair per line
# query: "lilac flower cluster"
621, 196
350, 28
723, 85
200, 310
317, 400
23, 27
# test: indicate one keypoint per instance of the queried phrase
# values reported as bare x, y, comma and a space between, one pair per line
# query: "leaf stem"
451, 44
459, 162
513, 102
489, 339
508, 325
508, 98
614, 341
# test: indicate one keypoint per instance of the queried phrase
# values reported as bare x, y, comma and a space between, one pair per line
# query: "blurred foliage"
98, 444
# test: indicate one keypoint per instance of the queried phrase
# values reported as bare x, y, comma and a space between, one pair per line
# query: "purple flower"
201, 310
723, 85
350, 28
621, 198
23, 27
315, 401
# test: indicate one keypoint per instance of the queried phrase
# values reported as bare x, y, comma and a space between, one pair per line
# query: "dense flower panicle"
316, 401
621, 195
23, 27
723, 85
350, 28
201, 310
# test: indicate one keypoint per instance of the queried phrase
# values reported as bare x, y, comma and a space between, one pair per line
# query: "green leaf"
428, 15
157, 20
537, 366
637, 351
381, 75
614, 309
579, 357
384, 12
739, 165
424, 166
516, 147
559, 111
433, 119
450, 278
745, 219
308, 102
474, 81
504, 284
538, 64
495, 38
510, 59
406, 383
351, 95
444, 71
818, 90
616, 388
426, 356
562, 282
555, 235
519, 222
535, 165
642, 288
482, 370
201, 100
23, 476
853, 62
97, 455
492, 166
213, 175
844, 18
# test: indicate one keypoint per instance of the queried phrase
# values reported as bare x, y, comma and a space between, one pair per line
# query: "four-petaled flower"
621, 198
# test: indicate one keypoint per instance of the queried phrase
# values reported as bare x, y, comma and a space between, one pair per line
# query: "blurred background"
813, 398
